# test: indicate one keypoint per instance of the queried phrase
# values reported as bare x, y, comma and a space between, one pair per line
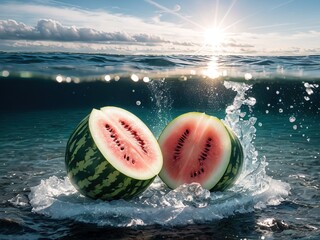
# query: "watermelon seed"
202, 170
128, 158
133, 161
107, 126
122, 148
125, 156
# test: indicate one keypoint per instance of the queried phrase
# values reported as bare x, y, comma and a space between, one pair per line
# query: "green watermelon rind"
234, 168
91, 173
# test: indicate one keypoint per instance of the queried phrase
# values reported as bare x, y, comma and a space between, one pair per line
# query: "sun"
214, 37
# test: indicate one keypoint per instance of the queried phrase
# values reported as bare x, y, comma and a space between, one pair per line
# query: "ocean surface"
272, 104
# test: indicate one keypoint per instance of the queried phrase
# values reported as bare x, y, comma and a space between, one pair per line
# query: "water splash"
163, 102
189, 203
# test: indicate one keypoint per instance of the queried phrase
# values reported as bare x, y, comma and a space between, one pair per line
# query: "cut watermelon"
112, 154
200, 148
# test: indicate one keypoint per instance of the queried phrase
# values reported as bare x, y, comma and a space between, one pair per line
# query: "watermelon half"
112, 154
199, 148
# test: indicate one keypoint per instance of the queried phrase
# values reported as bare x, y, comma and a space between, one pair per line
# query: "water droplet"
5, 73
138, 103
267, 88
107, 78
295, 127
280, 110
247, 76
267, 111
309, 91
277, 92
146, 79
59, 78
260, 124
306, 98
134, 78
292, 119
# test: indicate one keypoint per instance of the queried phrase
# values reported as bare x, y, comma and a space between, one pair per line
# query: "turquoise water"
272, 103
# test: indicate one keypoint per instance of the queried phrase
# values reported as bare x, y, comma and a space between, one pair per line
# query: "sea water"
271, 103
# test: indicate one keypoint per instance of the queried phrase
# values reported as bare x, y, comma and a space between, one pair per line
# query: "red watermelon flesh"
196, 148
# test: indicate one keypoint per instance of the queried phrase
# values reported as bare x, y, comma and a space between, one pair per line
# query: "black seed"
128, 158
199, 172
208, 145
187, 131
124, 156
195, 173
209, 139
133, 161
107, 126
202, 170
122, 148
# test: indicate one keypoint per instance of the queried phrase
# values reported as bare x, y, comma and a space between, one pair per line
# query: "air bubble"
277, 92
138, 103
280, 110
295, 127
292, 119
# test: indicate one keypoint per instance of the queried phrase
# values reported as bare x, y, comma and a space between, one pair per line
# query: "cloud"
51, 30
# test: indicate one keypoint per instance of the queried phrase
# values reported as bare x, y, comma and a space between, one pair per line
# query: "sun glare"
214, 37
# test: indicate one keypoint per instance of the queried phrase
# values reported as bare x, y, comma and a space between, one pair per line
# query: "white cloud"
68, 28
96, 19
51, 30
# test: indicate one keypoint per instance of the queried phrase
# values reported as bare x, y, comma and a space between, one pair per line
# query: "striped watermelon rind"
235, 164
92, 174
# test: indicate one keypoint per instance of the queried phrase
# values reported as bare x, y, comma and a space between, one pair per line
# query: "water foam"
189, 203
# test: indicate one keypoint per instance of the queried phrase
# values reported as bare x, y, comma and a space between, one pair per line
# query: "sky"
246, 27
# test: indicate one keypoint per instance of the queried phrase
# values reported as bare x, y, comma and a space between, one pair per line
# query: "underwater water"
272, 104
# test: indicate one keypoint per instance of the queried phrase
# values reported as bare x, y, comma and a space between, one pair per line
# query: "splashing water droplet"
280, 110
306, 98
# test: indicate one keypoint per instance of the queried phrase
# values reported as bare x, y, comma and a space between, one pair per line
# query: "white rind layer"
150, 170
